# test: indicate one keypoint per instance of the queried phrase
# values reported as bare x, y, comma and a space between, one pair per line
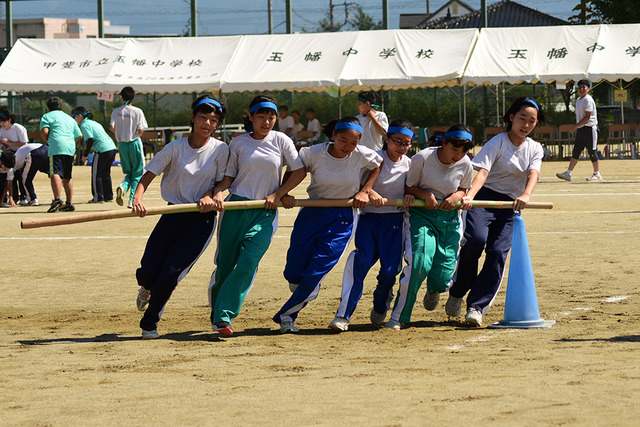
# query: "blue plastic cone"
521, 304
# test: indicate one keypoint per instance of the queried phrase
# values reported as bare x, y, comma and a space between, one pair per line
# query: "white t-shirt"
314, 126
256, 164
127, 120
583, 105
334, 178
390, 182
428, 173
507, 164
286, 123
17, 132
22, 154
297, 127
187, 172
370, 138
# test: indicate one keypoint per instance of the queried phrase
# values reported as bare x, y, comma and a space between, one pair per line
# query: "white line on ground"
615, 299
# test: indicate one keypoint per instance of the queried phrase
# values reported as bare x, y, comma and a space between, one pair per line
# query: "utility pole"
194, 18
100, 18
483, 14
288, 13
270, 16
331, 13
428, 6
385, 14
9, 30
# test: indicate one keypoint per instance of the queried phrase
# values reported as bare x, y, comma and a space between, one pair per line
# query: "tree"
585, 13
362, 21
616, 11
354, 19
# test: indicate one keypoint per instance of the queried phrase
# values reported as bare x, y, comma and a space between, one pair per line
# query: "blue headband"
265, 104
374, 106
82, 113
532, 102
459, 134
398, 129
347, 125
208, 101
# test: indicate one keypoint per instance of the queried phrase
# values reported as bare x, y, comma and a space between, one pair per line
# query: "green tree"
616, 11
585, 13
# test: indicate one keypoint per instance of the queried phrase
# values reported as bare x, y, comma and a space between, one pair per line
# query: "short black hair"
458, 141
8, 158
83, 111
585, 82
248, 125
368, 96
329, 128
517, 105
283, 108
208, 107
127, 93
54, 103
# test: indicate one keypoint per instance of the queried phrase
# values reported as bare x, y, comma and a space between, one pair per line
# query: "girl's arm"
138, 207
430, 201
523, 199
291, 182
361, 198
214, 198
476, 185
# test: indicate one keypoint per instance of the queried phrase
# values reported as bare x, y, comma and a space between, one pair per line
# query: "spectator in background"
31, 158
13, 136
374, 123
285, 124
297, 126
313, 125
61, 132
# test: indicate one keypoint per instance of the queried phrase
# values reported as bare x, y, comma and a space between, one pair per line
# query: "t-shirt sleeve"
290, 154
76, 131
21, 134
415, 171
87, 132
161, 160
384, 121
305, 158
590, 105
232, 163
487, 155
221, 162
44, 122
142, 124
467, 178
371, 159
536, 159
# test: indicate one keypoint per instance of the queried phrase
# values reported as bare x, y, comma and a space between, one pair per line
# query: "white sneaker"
288, 327
143, 298
564, 175
120, 193
24, 202
431, 300
293, 287
473, 317
33, 202
453, 307
395, 325
150, 335
377, 318
595, 177
130, 205
339, 324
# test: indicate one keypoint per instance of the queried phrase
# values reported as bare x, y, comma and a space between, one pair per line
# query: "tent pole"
621, 104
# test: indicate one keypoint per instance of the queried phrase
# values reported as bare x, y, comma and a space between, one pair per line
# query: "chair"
33, 136
622, 135
564, 141
152, 141
545, 135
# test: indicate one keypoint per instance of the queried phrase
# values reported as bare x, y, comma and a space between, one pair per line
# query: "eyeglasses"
399, 142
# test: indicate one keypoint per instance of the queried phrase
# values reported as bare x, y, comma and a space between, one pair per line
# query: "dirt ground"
71, 351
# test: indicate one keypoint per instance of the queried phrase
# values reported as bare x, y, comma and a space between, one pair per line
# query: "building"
451, 9
505, 13
60, 28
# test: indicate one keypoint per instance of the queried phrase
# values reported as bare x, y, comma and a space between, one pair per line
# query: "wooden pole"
245, 204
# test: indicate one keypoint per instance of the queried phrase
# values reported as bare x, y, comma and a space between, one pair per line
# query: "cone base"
525, 324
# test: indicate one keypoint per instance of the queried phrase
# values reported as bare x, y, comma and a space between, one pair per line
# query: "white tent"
617, 53
531, 54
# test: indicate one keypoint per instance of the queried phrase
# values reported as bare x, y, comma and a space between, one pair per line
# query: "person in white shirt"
297, 126
313, 126
508, 169
127, 124
285, 123
190, 168
374, 123
13, 136
586, 131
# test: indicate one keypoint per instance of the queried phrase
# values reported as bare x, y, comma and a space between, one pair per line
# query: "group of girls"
200, 169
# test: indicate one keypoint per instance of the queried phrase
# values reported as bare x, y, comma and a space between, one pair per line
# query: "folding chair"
565, 141
622, 135
545, 135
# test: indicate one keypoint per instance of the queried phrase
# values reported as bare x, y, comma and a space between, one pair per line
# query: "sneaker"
595, 177
33, 202
68, 207
293, 287
56, 204
143, 298
339, 324
120, 193
377, 318
564, 175
288, 327
473, 317
23, 202
395, 325
453, 307
130, 205
93, 201
431, 300
223, 328
150, 335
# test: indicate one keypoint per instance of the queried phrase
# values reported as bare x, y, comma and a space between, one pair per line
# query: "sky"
225, 17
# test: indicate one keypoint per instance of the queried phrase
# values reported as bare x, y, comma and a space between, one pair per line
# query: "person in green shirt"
61, 132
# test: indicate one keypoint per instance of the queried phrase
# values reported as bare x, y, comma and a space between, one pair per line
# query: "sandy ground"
71, 352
